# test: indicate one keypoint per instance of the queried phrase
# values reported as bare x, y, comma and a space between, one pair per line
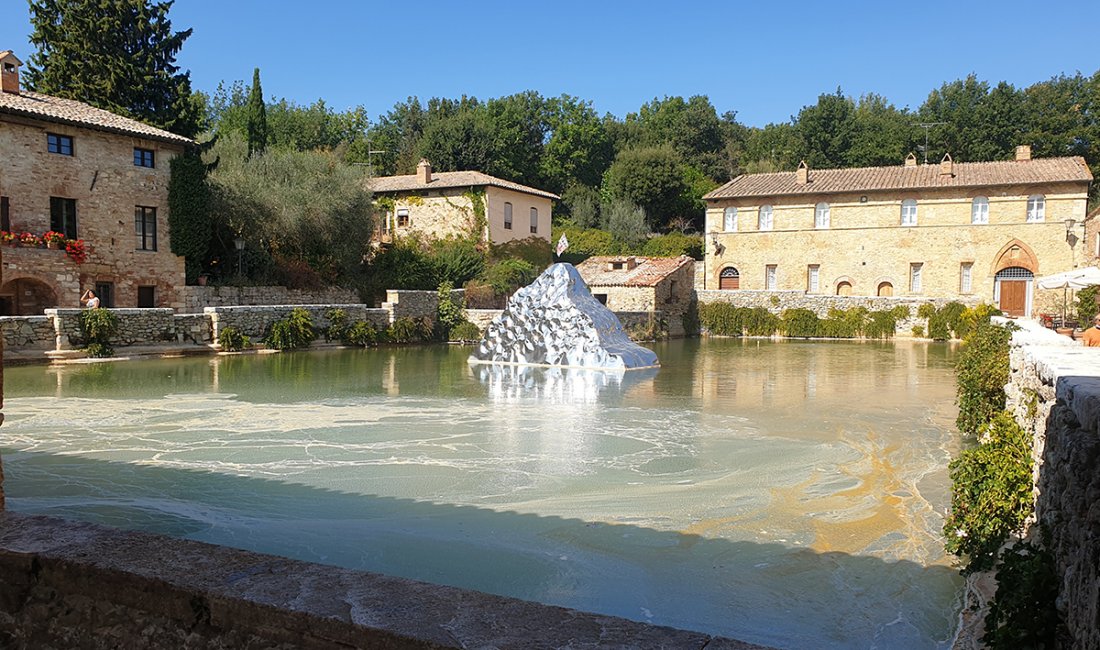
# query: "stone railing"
27, 332
193, 300
1054, 392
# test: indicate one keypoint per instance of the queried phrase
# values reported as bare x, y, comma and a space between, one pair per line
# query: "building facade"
92, 176
658, 285
460, 204
977, 230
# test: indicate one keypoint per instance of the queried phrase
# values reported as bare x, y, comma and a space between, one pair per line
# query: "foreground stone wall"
255, 321
27, 332
193, 300
1054, 392
64, 584
821, 305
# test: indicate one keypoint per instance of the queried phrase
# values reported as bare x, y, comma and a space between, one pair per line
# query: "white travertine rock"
555, 321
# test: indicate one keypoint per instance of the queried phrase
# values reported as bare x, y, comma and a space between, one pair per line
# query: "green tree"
256, 127
627, 223
583, 204
691, 127
579, 149
189, 212
826, 130
979, 123
882, 134
118, 55
651, 178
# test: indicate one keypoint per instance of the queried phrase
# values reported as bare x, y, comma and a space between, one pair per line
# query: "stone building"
91, 175
1091, 242
982, 230
442, 204
659, 285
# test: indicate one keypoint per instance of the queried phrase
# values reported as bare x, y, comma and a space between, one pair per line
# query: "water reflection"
510, 384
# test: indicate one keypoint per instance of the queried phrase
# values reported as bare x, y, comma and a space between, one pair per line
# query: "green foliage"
760, 322
410, 330
991, 493
189, 216
449, 313
881, 324
651, 178
294, 331
799, 323
651, 330
926, 310
536, 251
722, 319
901, 312
981, 375
938, 327
918, 331
476, 197
583, 205
231, 340
256, 125
845, 323
1023, 613
508, 275
115, 55
465, 332
1086, 305
626, 222
361, 333
674, 244
455, 261
97, 326
584, 243
337, 324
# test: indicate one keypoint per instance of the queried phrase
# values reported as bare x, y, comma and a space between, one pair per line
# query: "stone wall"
254, 321
821, 305
68, 584
406, 303
194, 299
1054, 392
27, 332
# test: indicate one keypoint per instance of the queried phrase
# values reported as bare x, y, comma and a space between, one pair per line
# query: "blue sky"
763, 60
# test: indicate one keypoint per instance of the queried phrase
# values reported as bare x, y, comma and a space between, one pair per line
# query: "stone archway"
26, 297
1015, 254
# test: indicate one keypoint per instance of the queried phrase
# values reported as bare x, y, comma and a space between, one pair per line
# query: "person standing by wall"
90, 300
1091, 337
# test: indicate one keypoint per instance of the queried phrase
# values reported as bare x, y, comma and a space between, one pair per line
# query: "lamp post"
238, 243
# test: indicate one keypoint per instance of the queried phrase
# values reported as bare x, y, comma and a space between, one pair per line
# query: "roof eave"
175, 139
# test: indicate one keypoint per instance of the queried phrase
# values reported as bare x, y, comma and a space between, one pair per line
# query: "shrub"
953, 314
448, 313
800, 323
97, 326
674, 244
534, 250
508, 275
918, 331
231, 339
981, 375
844, 323
722, 319
337, 324
938, 328
361, 333
456, 261
464, 331
880, 325
651, 330
991, 493
972, 318
926, 310
410, 330
1086, 305
1024, 613
760, 322
479, 295
901, 312
295, 331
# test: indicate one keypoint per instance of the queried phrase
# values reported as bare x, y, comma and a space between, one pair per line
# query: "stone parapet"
27, 332
409, 303
1054, 393
254, 321
192, 300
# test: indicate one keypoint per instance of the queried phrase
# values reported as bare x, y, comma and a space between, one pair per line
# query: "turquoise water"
786, 493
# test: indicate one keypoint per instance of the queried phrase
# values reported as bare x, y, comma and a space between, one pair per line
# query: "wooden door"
1013, 297
729, 279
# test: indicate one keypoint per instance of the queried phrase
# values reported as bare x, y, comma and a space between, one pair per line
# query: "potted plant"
74, 248
29, 240
54, 240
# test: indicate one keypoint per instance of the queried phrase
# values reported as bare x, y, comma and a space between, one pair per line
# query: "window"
402, 218
106, 293
729, 220
821, 215
534, 219
147, 297
909, 212
813, 272
729, 279
964, 276
914, 277
63, 216
145, 228
507, 216
600, 298
979, 210
764, 221
1036, 208
843, 288
770, 274
61, 144
885, 289
5, 214
144, 157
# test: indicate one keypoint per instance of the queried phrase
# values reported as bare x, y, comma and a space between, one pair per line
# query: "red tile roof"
442, 180
68, 111
870, 179
649, 272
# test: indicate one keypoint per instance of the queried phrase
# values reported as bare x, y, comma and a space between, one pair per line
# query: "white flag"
563, 244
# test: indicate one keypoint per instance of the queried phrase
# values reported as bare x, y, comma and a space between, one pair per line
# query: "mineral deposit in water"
555, 321
789, 494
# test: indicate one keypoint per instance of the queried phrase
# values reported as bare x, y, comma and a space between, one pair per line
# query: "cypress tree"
118, 55
189, 211
257, 116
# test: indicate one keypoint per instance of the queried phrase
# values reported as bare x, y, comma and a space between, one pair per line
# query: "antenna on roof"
926, 126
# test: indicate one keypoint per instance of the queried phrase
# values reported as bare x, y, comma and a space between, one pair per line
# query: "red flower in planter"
8, 238
53, 237
29, 240
74, 248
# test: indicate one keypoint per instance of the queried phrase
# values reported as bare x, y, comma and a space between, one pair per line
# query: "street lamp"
238, 243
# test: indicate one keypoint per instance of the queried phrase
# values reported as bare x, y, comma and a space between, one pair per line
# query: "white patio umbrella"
1075, 279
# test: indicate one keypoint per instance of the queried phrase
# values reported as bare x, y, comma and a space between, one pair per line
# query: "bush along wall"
991, 499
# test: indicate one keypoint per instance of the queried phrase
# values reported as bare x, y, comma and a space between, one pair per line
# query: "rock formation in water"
555, 321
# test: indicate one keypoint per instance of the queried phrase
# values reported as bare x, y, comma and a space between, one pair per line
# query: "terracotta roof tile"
870, 179
68, 111
648, 273
442, 180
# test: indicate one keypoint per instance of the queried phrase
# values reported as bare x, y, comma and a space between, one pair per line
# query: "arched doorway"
729, 278
843, 288
1012, 290
885, 289
26, 297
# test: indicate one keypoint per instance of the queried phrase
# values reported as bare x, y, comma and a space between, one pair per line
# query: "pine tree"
257, 116
118, 55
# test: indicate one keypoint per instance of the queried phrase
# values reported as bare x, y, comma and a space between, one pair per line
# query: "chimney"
9, 72
947, 166
1023, 152
802, 176
911, 160
424, 171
